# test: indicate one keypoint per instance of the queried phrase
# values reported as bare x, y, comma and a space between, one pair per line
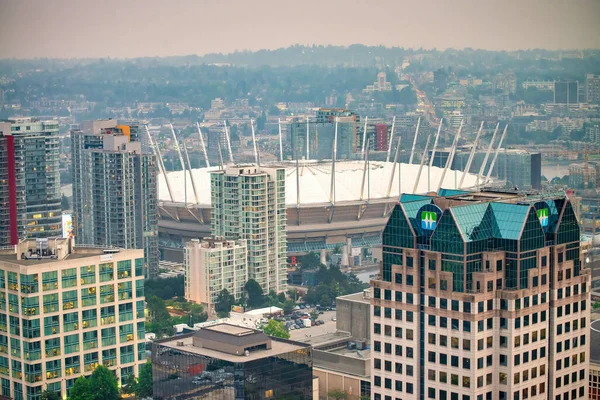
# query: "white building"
212, 265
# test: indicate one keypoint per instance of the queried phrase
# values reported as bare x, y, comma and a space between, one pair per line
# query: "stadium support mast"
177, 147
412, 151
189, 168
473, 149
421, 164
202, 143
365, 167
159, 159
364, 136
435, 143
228, 142
489, 150
487, 178
389, 191
280, 140
254, 143
450, 157
221, 166
307, 141
391, 139
332, 188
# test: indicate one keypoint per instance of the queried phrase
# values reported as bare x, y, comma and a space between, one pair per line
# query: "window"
409, 261
432, 264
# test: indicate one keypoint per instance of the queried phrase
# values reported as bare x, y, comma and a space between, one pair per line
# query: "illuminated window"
37, 216
269, 394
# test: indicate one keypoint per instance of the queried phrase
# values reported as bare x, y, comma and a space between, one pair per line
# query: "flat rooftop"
277, 348
12, 258
358, 297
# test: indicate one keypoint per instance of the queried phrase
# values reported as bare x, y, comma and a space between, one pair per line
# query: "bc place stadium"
329, 203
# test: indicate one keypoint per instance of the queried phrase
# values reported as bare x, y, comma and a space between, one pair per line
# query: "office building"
114, 191
593, 134
249, 203
231, 362
65, 310
592, 88
594, 379
566, 92
483, 295
212, 265
321, 132
29, 165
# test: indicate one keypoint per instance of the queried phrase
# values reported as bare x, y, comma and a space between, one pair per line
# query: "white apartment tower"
249, 203
212, 265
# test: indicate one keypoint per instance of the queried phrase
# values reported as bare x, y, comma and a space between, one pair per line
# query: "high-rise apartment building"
482, 296
13, 214
29, 166
249, 203
114, 191
212, 265
65, 310
592, 88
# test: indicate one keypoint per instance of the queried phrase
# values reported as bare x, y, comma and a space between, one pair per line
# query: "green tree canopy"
337, 394
48, 395
255, 293
101, 385
224, 302
144, 385
64, 203
277, 329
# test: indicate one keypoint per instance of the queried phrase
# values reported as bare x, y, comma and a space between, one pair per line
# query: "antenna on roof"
473, 149
307, 141
202, 143
412, 151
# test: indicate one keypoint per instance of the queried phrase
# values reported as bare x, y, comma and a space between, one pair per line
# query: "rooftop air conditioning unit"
180, 343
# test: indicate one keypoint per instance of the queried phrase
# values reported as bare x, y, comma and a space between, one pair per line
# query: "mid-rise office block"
566, 92
592, 88
249, 203
114, 191
65, 310
212, 265
29, 165
482, 295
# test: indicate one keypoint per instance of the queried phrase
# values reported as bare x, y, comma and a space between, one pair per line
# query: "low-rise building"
231, 362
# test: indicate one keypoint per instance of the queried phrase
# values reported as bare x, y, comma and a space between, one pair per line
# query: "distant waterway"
363, 274
552, 170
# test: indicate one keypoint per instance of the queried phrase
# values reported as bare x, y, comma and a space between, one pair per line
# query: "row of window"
570, 325
570, 378
570, 342
570, 361
398, 350
399, 386
398, 367
526, 336
387, 331
567, 308
527, 374
574, 394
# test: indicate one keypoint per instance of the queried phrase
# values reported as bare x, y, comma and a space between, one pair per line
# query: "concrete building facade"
482, 295
115, 197
29, 167
249, 203
353, 314
592, 88
212, 265
64, 310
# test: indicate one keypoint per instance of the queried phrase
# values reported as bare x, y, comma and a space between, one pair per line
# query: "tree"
144, 385
288, 306
255, 293
281, 297
277, 329
48, 395
337, 394
101, 385
130, 385
64, 203
224, 302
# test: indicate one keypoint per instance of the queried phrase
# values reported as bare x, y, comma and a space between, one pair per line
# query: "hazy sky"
134, 28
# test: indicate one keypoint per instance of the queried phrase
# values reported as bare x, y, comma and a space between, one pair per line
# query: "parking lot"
327, 327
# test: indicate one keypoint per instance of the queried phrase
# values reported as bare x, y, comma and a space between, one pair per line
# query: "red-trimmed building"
12, 188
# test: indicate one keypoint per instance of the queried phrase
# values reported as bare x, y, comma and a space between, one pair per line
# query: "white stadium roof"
315, 182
